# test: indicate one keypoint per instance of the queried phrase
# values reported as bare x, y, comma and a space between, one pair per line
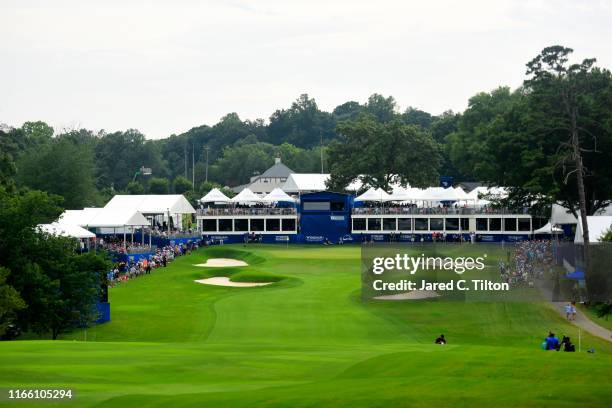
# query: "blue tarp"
577, 274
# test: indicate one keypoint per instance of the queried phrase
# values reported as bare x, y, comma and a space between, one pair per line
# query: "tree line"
535, 139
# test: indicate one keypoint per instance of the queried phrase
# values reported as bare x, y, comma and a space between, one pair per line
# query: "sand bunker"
224, 281
413, 295
222, 263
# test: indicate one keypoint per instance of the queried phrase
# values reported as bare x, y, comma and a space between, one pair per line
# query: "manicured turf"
306, 340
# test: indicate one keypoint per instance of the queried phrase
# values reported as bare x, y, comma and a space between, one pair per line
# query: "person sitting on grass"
441, 340
552, 342
567, 344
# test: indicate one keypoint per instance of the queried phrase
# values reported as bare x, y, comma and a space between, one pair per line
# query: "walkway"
584, 322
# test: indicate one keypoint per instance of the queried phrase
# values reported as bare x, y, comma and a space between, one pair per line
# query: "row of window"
441, 224
249, 225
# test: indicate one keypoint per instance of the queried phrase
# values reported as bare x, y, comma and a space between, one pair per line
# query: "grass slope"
306, 340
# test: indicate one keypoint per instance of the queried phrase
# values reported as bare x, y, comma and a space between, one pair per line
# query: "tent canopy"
152, 204
118, 217
215, 196
65, 230
548, 229
598, 226
278, 195
440, 194
560, 215
374, 194
461, 194
496, 192
246, 196
80, 218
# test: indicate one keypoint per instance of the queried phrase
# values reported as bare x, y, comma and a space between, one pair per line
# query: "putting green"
305, 340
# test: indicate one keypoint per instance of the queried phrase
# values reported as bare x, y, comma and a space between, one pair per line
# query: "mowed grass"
306, 340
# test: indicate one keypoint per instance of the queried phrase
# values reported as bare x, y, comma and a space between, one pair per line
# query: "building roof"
301, 182
277, 170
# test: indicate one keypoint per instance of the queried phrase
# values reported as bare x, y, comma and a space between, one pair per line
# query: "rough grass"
307, 340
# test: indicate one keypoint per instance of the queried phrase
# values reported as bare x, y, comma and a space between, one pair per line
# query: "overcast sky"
164, 67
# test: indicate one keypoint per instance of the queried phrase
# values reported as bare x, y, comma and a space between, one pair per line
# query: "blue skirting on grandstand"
103, 310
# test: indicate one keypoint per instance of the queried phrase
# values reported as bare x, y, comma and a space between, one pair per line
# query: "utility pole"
185, 160
207, 149
321, 135
193, 166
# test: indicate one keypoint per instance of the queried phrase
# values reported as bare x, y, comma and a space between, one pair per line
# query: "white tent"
598, 226
305, 182
560, 215
277, 195
407, 193
440, 194
374, 194
215, 196
494, 192
66, 230
246, 196
152, 204
461, 194
80, 218
548, 229
354, 186
117, 218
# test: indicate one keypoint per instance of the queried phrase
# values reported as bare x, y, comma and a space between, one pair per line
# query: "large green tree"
570, 103
303, 124
59, 287
10, 302
61, 167
159, 185
380, 154
119, 155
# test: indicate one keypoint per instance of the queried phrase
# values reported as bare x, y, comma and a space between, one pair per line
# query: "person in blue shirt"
552, 342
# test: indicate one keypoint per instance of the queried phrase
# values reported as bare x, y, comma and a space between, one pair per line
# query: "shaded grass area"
306, 340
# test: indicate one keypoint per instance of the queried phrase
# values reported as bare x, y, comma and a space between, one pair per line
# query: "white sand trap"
224, 281
413, 295
222, 263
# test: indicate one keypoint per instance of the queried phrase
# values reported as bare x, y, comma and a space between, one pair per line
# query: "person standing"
568, 311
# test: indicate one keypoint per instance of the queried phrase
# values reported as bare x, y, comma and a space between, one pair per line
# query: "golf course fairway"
306, 340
